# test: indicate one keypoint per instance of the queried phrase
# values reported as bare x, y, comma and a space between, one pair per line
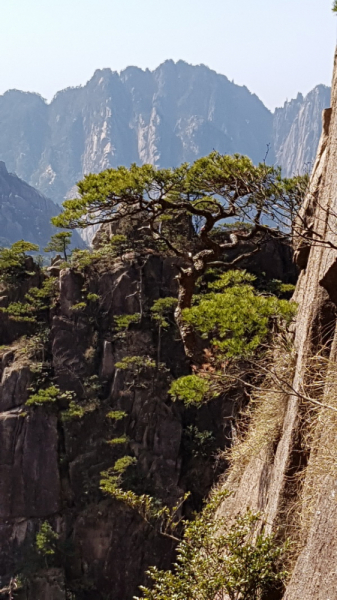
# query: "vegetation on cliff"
102, 360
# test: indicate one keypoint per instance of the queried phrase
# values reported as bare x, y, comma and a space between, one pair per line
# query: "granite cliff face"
289, 472
173, 114
297, 130
50, 467
52, 458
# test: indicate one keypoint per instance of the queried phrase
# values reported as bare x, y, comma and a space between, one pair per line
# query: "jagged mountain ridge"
176, 113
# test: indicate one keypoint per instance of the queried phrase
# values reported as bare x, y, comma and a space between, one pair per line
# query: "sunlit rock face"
297, 129
176, 113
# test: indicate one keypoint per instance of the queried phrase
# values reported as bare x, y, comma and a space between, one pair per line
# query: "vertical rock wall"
269, 479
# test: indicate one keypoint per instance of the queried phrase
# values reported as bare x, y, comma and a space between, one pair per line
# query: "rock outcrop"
50, 466
52, 455
290, 471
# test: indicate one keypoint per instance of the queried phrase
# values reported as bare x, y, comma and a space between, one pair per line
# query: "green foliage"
48, 395
234, 316
116, 415
78, 411
135, 363
44, 396
198, 443
78, 307
12, 260
123, 463
46, 540
118, 440
205, 186
119, 244
215, 559
279, 289
166, 519
112, 478
124, 321
92, 297
37, 301
20, 311
192, 390
334, 7
161, 309
59, 242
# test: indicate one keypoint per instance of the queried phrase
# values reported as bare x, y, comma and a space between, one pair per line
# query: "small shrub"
161, 309
135, 363
198, 443
46, 540
44, 396
48, 395
123, 463
37, 301
215, 560
92, 297
116, 415
124, 321
20, 312
118, 440
113, 477
192, 390
12, 261
78, 411
78, 307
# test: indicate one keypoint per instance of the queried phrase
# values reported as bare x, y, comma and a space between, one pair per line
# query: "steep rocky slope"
24, 212
52, 454
173, 114
297, 130
289, 470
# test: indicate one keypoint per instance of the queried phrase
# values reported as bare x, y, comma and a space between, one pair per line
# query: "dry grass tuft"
261, 423
321, 436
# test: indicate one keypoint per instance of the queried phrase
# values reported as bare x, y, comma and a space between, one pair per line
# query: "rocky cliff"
297, 130
53, 453
286, 465
173, 114
51, 460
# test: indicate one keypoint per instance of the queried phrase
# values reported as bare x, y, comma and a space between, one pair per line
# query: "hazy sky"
275, 47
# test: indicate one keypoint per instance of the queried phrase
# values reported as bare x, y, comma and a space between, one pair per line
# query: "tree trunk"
192, 342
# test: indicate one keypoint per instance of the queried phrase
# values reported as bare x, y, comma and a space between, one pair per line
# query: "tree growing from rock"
59, 242
229, 207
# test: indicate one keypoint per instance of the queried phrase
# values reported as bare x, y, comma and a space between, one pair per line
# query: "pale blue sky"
275, 47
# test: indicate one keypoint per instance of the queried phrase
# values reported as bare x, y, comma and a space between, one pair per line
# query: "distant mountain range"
25, 213
173, 114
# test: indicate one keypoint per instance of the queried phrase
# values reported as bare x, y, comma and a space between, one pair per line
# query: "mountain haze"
25, 213
173, 114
